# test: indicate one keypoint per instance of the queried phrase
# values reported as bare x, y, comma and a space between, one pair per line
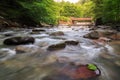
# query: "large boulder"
59, 33
56, 46
19, 40
72, 42
92, 35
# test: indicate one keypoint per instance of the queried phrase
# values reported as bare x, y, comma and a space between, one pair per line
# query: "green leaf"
92, 67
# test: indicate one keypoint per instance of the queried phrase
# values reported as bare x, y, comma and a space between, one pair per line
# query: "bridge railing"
78, 21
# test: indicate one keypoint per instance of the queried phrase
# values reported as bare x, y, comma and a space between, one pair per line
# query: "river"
40, 64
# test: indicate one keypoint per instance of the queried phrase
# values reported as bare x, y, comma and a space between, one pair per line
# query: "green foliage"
108, 10
44, 11
87, 9
111, 11
70, 10
48, 11
10, 9
84, 8
63, 18
92, 67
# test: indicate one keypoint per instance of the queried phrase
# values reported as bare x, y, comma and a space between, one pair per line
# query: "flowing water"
40, 64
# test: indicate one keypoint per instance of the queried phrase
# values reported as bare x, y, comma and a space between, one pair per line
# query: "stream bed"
38, 63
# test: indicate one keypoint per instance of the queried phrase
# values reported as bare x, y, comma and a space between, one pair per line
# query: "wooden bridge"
81, 21
77, 21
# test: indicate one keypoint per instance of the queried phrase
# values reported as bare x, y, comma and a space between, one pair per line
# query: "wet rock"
56, 46
115, 36
27, 49
59, 33
3, 22
38, 30
92, 35
117, 27
19, 40
104, 27
117, 63
108, 32
46, 25
72, 42
8, 34
82, 72
14, 24
91, 29
104, 39
59, 37
34, 32
42, 44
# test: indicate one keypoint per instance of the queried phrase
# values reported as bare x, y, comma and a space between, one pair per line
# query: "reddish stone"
84, 73
81, 72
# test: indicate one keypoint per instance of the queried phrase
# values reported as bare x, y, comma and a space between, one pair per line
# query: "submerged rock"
82, 72
27, 49
56, 46
72, 42
19, 40
92, 35
59, 33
